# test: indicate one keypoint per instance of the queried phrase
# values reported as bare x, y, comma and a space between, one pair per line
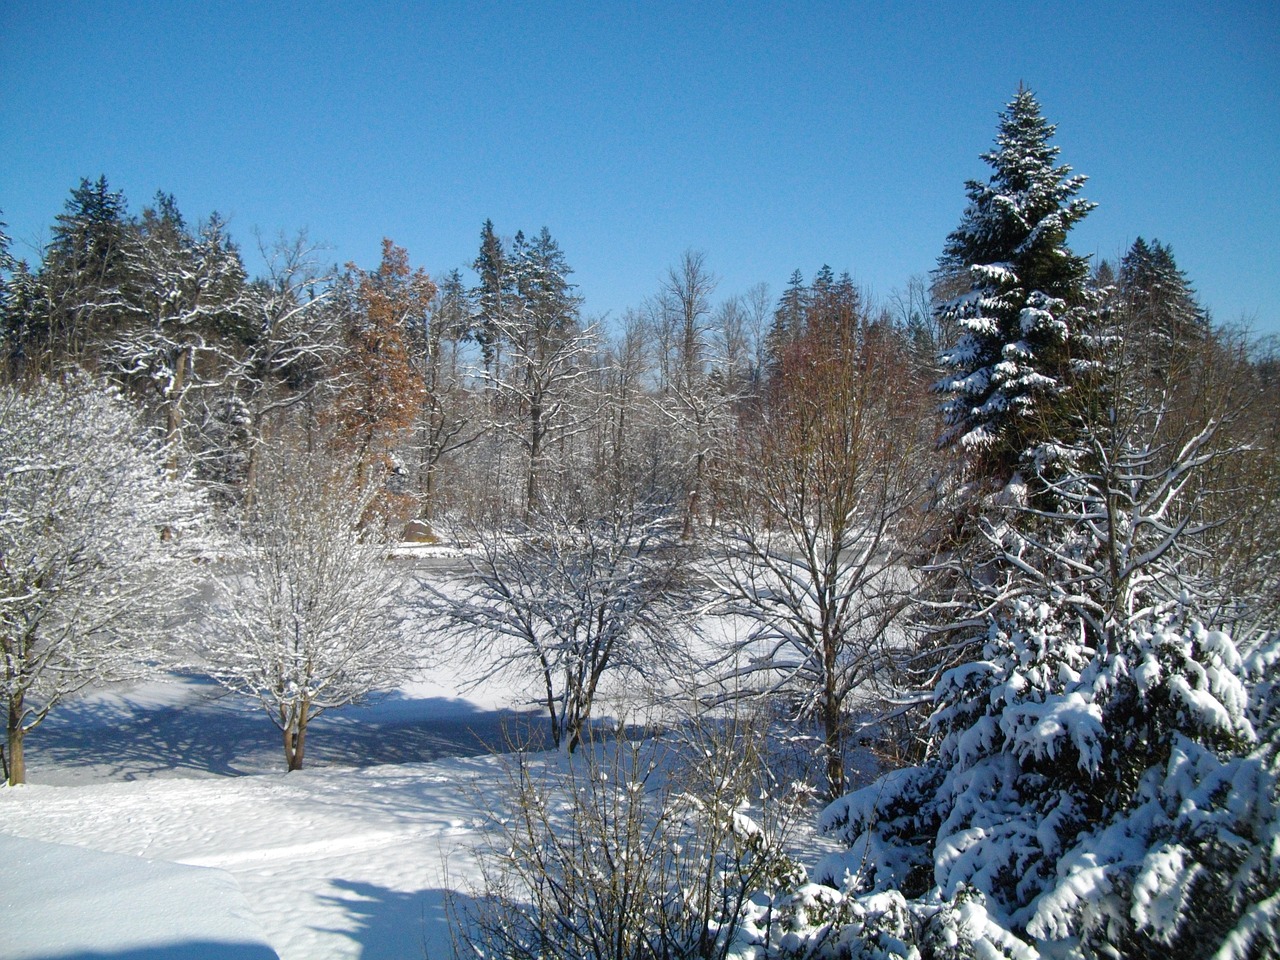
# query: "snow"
164, 807
60, 900
333, 863
356, 855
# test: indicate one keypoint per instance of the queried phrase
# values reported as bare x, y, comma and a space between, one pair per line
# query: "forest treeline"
1024, 514
496, 395
470, 398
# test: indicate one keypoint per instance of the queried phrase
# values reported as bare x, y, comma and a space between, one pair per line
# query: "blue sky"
769, 136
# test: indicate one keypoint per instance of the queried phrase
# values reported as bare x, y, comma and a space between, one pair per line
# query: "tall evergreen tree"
444, 423
7, 263
12, 320
454, 310
10, 324
1162, 319
85, 276
544, 287
494, 295
22, 320
788, 318
835, 310
1024, 297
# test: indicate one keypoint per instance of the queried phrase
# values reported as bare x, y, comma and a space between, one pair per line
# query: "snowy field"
349, 858
158, 822
175, 789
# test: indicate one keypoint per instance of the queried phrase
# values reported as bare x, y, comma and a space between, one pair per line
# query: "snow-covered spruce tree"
97, 547
1021, 298
1164, 323
1024, 316
7, 263
11, 319
85, 280
494, 298
21, 318
304, 619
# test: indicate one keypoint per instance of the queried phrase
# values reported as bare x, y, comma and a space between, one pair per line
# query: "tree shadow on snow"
392, 924
195, 950
394, 728
127, 741
215, 734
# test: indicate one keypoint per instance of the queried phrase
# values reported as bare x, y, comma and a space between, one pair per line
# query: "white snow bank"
64, 901
337, 864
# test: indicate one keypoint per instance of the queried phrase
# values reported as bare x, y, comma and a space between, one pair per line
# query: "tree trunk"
572, 723
535, 453
427, 467
295, 739
832, 720
17, 759
429, 493
695, 494
256, 437
833, 736
556, 724
173, 413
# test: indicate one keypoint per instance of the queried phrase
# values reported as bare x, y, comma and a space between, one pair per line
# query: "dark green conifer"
1024, 298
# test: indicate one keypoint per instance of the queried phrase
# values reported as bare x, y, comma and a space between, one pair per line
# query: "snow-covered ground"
158, 820
332, 862
349, 858
173, 785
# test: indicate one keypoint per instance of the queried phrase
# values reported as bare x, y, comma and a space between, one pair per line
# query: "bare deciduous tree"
448, 420
820, 514
304, 619
570, 596
681, 320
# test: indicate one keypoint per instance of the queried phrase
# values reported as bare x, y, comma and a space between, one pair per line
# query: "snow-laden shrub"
1079, 803
304, 618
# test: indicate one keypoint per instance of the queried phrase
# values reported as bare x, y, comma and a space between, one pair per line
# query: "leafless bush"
628, 851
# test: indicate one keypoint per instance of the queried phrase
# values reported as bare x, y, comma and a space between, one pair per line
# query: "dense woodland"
1015, 525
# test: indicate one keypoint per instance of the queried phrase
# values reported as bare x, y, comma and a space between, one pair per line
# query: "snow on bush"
628, 850
1126, 807
98, 543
